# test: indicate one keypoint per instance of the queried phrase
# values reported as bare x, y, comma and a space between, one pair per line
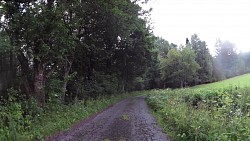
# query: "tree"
114, 41
180, 67
190, 66
42, 40
203, 58
245, 57
153, 75
163, 46
7, 63
227, 58
171, 68
100, 43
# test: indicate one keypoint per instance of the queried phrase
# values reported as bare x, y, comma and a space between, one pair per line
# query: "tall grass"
204, 114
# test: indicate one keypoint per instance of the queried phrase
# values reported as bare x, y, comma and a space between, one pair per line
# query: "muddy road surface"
128, 120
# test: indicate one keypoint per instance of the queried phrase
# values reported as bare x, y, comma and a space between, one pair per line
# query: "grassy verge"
242, 81
203, 114
64, 117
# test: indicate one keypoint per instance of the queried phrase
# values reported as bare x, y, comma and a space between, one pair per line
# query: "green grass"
63, 120
214, 112
63, 117
242, 81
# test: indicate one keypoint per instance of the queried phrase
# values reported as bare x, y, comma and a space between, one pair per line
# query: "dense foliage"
56, 52
95, 46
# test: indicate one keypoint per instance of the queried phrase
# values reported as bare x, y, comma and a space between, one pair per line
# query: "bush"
16, 115
206, 115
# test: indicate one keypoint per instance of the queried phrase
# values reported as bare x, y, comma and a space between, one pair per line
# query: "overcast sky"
176, 20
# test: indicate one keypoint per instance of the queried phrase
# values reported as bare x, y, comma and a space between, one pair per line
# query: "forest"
57, 52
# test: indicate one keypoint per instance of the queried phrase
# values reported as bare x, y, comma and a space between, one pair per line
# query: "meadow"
241, 81
213, 112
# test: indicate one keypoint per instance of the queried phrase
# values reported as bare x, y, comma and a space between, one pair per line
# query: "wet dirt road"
128, 120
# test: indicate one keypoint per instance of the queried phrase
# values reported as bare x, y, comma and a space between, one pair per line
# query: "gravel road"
128, 120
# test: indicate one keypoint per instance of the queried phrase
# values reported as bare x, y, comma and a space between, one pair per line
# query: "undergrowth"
18, 125
203, 114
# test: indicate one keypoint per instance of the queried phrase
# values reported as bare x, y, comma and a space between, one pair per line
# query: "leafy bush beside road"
203, 114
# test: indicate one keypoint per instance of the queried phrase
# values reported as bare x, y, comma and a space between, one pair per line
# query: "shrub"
203, 114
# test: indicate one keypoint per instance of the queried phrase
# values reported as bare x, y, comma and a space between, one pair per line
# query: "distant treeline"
82, 49
193, 64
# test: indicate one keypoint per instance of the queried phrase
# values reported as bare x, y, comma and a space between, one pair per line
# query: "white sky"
176, 20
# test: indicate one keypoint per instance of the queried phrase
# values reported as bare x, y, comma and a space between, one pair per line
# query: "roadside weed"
203, 114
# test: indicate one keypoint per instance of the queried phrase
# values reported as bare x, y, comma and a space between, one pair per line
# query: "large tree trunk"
182, 82
26, 82
39, 84
13, 66
123, 87
34, 88
65, 80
